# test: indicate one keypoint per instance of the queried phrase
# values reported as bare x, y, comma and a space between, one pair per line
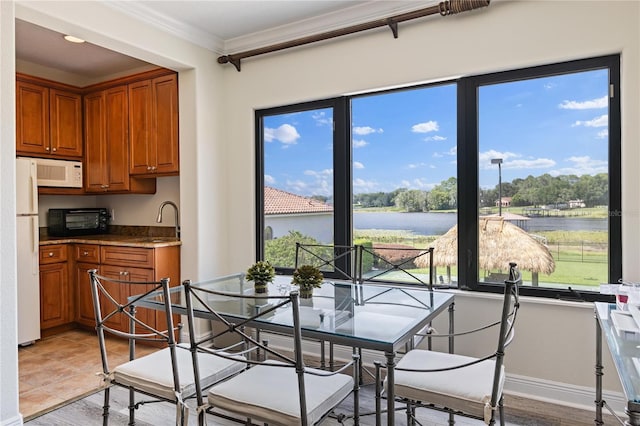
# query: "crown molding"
352, 15
168, 24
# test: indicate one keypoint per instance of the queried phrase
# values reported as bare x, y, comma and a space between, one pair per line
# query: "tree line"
535, 191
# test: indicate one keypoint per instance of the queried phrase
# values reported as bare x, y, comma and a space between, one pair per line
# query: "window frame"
467, 170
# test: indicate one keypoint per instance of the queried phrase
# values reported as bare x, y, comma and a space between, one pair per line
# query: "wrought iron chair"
338, 262
164, 375
335, 261
389, 263
276, 387
456, 384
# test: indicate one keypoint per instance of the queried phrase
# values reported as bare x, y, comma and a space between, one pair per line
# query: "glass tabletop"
363, 315
624, 347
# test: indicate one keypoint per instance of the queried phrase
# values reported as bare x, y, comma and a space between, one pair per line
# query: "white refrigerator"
27, 233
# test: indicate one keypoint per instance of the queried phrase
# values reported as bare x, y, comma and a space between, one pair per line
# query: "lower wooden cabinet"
56, 293
128, 264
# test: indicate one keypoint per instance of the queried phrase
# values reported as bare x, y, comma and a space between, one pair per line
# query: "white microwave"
59, 173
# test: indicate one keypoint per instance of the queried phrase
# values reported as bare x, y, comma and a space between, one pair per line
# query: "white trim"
14, 421
353, 15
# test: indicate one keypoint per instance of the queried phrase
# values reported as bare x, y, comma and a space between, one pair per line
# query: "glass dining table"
376, 317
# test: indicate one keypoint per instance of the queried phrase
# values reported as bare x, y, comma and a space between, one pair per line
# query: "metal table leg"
599, 402
391, 405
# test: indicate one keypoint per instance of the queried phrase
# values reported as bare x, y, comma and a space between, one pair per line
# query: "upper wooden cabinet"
107, 144
48, 120
153, 127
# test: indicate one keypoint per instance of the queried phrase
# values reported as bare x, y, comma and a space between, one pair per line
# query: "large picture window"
519, 166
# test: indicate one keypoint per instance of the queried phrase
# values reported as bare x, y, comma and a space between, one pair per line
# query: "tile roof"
277, 201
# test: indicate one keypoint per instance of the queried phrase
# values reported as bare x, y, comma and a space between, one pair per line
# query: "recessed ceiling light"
73, 39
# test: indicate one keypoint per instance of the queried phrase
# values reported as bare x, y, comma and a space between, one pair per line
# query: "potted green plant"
261, 273
307, 277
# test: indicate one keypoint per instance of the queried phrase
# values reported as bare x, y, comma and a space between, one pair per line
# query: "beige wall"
555, 340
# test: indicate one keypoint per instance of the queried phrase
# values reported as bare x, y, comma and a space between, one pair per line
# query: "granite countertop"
114, 240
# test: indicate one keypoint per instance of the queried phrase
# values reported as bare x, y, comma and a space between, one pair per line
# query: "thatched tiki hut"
500, 242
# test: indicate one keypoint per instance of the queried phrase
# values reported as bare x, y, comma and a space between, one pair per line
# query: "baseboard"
579, 397
14, 421
573, 396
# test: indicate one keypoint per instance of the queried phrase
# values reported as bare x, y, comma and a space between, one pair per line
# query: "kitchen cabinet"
48, 120
87, 257
56, 297
107, 144
153, 127
128, 264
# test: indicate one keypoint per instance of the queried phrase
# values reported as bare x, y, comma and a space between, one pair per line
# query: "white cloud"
269, 180
583, 165
512, 160
534, 163
359, 143
322, 119
603, 134
416, 165
363, 186
602, 102
426, 127
417, 184
365, 130
601, 121
358, 165
287, 134
436, 138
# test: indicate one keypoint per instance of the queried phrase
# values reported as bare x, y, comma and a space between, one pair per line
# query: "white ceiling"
221, 26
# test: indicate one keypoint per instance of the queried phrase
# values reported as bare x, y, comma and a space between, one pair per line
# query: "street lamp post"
498, 161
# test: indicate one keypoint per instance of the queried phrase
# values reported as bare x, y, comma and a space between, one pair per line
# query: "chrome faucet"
159, 218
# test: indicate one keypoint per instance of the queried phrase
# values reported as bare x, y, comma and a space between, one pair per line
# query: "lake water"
439, 223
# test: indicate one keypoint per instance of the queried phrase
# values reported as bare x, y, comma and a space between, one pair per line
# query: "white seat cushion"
152, 373
270, 394
466, 389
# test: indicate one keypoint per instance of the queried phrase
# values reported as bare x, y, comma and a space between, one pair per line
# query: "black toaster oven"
74, 222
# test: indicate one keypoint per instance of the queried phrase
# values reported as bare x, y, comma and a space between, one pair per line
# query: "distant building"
576, 204
506, 202
284, 212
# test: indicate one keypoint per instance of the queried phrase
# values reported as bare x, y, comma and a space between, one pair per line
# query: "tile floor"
63, 367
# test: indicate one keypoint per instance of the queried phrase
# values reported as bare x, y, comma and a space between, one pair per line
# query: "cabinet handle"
149, 168
47, 149
55, 149
85, 253
50, 254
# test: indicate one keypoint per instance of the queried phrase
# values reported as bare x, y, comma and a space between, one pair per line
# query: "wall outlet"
113, 214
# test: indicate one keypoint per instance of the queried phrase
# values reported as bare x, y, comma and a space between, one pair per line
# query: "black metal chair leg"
105, 407
501, 410
132, 407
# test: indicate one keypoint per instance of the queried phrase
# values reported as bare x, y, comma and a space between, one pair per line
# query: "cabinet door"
153, 125
32, 118
84, 301
140, 128
65, 123
165, 146
55, 308
121, 293
95, 158
117, 139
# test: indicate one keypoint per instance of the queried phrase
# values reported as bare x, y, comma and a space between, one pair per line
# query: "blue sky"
555, 125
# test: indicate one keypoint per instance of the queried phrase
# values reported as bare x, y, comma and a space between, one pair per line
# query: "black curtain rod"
445, 8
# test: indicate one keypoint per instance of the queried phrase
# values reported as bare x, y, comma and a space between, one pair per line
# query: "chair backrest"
334, 261
392, 262
510, 306
116, 314
201, 301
